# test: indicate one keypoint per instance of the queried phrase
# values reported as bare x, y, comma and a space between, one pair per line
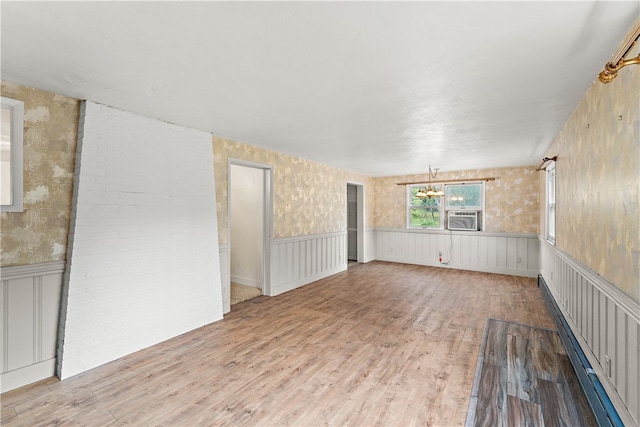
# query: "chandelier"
429, 191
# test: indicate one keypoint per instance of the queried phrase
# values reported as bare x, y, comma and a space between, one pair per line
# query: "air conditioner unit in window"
463, 220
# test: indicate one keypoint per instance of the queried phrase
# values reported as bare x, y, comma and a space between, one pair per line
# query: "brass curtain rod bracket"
545, 160
612, 67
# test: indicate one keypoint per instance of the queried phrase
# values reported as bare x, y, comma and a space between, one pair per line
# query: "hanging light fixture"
429, 191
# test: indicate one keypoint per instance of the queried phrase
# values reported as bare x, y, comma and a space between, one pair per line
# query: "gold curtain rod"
448, 180
612, 67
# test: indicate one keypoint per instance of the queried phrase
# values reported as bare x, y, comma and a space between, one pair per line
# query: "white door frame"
267, 239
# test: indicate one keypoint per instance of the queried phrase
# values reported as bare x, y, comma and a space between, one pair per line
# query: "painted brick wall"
143, 263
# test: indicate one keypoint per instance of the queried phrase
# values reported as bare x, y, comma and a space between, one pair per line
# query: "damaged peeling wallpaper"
308, 197
598, 181
511, 201
39, 233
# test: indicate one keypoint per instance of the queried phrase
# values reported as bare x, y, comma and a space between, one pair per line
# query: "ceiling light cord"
429, 191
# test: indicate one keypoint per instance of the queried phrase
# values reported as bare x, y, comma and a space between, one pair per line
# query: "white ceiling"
379, 88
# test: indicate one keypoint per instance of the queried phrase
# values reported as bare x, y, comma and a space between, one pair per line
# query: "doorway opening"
249, 230
355, 224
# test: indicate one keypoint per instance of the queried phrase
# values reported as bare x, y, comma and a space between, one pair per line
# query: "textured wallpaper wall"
39, 233
598, 175
598, 181
511, 201
309, 198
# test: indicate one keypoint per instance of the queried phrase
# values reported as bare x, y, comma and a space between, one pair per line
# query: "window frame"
16, 146
550, 203
443, 206
479, 208
409, 206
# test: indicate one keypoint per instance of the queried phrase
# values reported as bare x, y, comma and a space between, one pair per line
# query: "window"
11, 155
551, 202
465, 196
423, 212
432, 213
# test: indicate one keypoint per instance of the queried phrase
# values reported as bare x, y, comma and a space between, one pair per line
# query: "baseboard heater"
603, 410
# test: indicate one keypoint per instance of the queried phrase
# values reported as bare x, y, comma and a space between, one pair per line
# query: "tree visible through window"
424, 212
432, 212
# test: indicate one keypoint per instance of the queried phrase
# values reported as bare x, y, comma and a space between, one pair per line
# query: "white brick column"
143, 263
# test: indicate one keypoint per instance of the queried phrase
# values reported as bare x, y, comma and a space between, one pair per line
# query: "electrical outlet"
607, 365
518, 260
439, 253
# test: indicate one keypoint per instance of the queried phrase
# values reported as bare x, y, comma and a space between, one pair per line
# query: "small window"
424, 212
551, 202
465, 196
11, 155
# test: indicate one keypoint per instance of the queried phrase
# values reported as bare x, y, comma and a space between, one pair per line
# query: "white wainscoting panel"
30, 302
298, 261
606, 323
503, 253
225, 268
369, 245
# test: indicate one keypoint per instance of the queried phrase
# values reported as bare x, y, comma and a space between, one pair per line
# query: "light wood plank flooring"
381, 344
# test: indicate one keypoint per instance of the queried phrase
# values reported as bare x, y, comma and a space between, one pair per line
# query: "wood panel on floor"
527, 380
381, 344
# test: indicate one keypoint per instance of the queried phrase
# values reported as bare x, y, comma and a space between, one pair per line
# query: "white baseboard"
29, 374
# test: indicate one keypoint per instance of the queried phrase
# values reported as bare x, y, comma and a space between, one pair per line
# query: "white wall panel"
30, 303
301, 260
633, 368
503, 253
225, 276
605, 322
21, 341
143, 261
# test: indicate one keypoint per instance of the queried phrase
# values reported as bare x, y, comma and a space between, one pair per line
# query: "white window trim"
480, 209
17, 124
550, 171
463, 208
408, 209
444, 209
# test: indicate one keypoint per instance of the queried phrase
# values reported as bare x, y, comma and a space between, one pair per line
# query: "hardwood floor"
381, 344
526, 379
